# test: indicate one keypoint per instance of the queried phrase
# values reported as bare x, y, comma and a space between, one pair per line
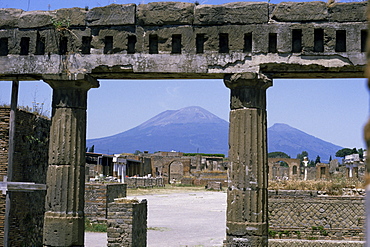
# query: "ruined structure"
246, 44
276, 171
25, 211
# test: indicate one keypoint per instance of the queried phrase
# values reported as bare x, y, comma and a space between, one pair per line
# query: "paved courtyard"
193, 218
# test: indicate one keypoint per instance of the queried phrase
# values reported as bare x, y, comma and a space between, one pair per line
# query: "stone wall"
127, 223
30, 165
97, 197
306, 215
143, 182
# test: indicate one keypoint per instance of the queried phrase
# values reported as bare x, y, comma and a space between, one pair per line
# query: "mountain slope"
193, 129
282, 137
190, 129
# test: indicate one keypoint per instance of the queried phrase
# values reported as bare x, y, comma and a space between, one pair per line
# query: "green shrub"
94, 227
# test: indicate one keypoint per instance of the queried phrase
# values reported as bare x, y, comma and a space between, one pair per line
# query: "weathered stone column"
246, 214
64, 216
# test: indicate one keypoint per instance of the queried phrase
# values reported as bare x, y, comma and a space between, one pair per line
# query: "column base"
246, 234
246, 241
63, 230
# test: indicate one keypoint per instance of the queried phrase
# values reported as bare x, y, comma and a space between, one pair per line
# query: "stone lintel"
303, 11
165, 13
113, 14
232, 13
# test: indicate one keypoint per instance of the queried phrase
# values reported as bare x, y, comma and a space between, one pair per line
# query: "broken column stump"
246, 216
127, 223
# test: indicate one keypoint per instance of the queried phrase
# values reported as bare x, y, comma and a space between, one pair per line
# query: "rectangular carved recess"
131, 43
153, 44
272, 42
4, 50
63, 46
296, 40
340, 41
363, 40
318, 40
199, 42
108, 45
223, 43
176, 43
247, 42
25, 46
86, 45
40, 45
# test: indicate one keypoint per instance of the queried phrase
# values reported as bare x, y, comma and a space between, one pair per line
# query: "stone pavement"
195, 218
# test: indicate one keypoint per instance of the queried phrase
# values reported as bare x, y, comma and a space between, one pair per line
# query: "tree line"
340, 153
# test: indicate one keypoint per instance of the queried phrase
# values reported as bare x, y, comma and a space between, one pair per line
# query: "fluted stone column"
64, 217
246, 214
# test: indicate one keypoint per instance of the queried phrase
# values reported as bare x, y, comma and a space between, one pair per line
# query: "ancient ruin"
246, 44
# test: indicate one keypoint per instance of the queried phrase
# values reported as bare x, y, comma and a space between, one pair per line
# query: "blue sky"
334, 110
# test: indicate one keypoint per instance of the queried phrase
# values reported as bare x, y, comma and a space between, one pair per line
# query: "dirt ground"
178, 216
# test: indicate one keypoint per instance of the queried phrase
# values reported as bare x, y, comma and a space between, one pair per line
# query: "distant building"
352, 163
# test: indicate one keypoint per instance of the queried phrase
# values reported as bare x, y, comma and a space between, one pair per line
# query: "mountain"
282, 137
193, 129
189, 130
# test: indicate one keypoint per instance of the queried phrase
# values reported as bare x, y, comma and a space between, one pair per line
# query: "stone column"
64, 216
246, 214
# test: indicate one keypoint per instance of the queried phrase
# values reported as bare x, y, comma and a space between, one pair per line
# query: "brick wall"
127, 223
307, 215
97, 197
30, 165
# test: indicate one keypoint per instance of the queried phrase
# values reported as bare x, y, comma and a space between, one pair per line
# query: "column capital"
248, 90
70, 91
252, 80
78, 81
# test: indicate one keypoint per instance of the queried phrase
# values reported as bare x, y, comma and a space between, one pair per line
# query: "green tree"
278, 155
311, 164
345, 151
92, 149
361, 153
317, 160
330, 158
302, 155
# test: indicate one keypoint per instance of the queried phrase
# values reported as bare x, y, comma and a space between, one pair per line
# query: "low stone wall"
307, 215
313, 243
143, 182
127, 223
97, 197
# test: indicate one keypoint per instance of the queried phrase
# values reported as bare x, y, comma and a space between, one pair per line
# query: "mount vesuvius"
194, 129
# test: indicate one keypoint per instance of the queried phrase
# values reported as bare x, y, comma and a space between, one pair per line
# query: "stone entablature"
184, 40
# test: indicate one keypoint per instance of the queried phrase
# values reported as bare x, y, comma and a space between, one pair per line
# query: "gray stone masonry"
184, 40
127, 223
